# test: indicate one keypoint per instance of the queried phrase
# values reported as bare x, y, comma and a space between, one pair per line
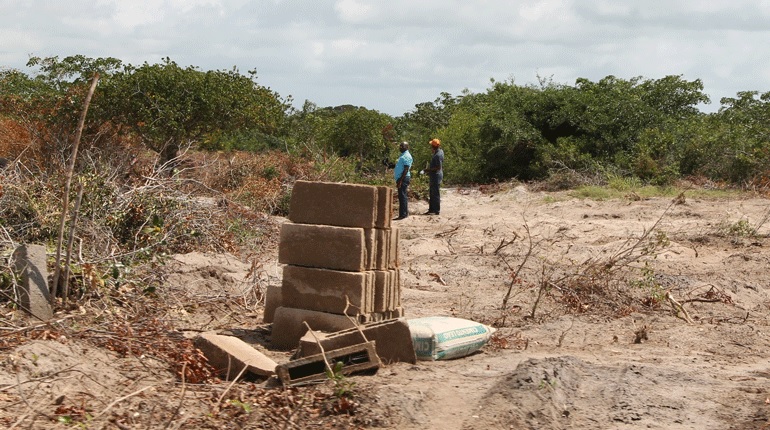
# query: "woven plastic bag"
443, 338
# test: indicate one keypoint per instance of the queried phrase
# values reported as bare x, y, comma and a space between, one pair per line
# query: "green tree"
738, 147
169, 106
361, 133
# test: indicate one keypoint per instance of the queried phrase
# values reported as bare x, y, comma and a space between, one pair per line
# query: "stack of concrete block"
341, 261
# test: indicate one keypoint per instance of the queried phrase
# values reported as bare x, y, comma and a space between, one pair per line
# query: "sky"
391, 55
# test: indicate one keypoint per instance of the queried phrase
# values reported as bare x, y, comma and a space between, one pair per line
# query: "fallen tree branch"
116, 401
678, 308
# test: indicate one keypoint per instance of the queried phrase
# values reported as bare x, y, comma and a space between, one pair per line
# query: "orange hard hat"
435, 143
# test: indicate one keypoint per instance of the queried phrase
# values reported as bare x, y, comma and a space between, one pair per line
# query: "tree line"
650, 129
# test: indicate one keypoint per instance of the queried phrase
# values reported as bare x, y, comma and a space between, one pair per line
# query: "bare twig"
678, 308
68, 257
26, 402
66, 200
318, 341
181, 397
564, 333
353, 320
515, 275
231, 384
120, 399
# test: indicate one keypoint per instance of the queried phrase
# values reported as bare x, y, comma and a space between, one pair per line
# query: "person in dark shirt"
436, 174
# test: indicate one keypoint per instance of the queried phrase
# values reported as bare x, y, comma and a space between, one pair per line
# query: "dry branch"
678, 308
68, 183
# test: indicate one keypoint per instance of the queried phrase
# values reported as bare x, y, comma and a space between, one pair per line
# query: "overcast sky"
390, 55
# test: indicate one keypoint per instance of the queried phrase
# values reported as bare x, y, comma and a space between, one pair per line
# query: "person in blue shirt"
403, 176
436, 174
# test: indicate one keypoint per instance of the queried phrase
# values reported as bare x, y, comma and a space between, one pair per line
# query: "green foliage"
523, 132
245, 407
343, 387
426, 120
738, 229
358, 133
647, 282
649, 129
736, 145
169, 106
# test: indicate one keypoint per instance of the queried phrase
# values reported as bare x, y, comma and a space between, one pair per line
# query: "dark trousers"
434, 205
403, 199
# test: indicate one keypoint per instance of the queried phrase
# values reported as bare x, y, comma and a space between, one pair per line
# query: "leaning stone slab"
392, 338
230, 355
288, 325
32, 271
354, 359
347, 205
324, 290
323, 246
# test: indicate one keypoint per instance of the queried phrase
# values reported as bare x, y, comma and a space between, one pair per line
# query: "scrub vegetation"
171, 159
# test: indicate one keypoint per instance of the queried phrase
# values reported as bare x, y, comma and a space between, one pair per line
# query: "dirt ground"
588, 338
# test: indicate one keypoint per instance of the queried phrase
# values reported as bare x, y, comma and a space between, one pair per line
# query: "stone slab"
393, 340
382, 286
329, 203
325, 290
381, 251
393, 248
323, 246
384, 207
288, 325
273, 300
30, 264
229, 355
394, 298
398, 312
369, 243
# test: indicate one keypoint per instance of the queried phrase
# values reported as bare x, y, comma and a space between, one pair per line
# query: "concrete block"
32, 271
395, 301
382, 287
384, 207
381, 244
326, 290
288, 325
392, 338
370, 292
323, 246
393, 248
230, 355
388, 295
273, 300
347, 205
354, 359
369, 243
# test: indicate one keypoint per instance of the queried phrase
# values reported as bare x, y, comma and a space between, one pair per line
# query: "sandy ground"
587, 371
581, 343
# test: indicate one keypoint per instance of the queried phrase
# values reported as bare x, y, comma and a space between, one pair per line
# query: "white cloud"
392, 55
352, 10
